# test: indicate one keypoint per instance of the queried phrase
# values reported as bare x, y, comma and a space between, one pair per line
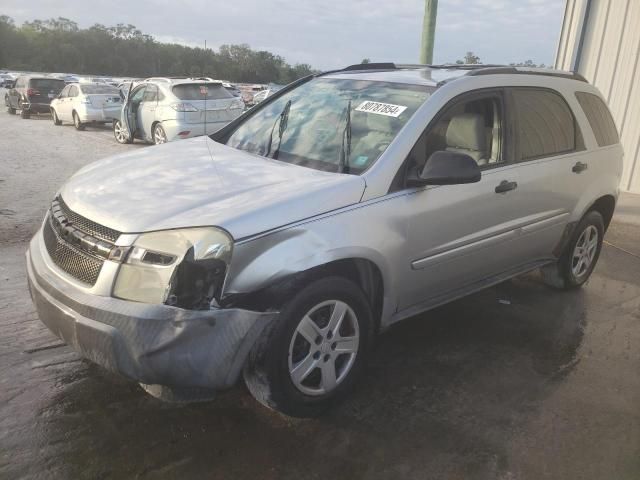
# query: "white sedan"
83, 103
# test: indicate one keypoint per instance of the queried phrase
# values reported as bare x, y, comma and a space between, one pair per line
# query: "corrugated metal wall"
608, 57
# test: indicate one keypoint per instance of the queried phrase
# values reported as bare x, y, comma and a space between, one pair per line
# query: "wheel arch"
365, 273
605, 206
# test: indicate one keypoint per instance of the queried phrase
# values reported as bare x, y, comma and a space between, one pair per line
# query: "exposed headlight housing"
185, 268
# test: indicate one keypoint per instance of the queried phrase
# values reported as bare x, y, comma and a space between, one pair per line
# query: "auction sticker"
387, 109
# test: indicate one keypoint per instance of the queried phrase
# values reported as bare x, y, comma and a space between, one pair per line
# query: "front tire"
314, 352
77, 123
54, 116
580, 256
25, 114
120, 133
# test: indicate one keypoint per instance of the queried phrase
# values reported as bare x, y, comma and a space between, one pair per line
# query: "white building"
601, 40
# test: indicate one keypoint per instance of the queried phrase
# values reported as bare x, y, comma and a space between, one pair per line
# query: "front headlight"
185, 267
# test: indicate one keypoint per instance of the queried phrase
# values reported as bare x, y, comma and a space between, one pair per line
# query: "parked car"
281, 245
161, 110
6, 80
261, 95
32, 94
231, 88
82, 103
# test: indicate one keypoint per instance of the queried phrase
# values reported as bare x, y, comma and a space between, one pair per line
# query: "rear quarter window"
599, 117
201, 91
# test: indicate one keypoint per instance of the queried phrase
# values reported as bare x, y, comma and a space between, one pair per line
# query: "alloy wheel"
158, 135
119, 132
323, 348
585, 251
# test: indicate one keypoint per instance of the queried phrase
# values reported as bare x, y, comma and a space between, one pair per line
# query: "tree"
59, 45
469, 59
365, 61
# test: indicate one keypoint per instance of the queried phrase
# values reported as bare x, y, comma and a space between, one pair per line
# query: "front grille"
86, 225
75, 262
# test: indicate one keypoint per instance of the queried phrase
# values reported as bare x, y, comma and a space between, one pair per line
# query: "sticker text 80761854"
387, 109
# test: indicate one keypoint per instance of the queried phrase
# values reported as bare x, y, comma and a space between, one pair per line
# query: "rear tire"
25, 114
54, 116
10, 109
305, 362
159, 135
76, 122
120, 133
580, 256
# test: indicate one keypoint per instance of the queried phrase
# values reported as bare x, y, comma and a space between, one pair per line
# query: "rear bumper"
173, 129
36, 107
151, 344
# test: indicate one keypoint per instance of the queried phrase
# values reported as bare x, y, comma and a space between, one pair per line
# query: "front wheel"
120, 132
54, 116
312, 355
580, 256
25, 114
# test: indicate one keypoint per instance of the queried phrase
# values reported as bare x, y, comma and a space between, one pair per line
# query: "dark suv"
32, 94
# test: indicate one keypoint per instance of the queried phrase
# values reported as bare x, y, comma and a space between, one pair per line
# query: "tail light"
32, 91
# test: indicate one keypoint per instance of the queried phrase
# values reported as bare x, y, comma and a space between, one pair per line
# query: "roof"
436, 75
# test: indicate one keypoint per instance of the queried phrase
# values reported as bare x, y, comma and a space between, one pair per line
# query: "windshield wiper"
283, 120
345, 151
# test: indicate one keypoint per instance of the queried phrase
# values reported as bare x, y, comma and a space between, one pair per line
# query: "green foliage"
59, 45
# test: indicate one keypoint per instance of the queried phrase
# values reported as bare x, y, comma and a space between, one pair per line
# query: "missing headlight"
196, 282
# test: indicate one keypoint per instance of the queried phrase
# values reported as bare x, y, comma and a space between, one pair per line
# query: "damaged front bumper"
151, 344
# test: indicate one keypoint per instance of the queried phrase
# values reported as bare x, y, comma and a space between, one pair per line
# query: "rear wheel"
54, 116
581, 254
120, 132
76, 122
159, 135
311, 356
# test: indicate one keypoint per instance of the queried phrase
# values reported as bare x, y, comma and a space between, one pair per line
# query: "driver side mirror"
446, 168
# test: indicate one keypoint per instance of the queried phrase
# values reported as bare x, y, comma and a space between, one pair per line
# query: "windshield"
319, 130
99, 89
201, 91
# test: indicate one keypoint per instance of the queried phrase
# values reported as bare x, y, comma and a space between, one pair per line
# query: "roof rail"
498, 70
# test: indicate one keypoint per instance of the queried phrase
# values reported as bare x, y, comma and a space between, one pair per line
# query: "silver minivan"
160, 110
277, 248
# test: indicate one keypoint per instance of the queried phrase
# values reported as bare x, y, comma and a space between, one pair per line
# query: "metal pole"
428, 31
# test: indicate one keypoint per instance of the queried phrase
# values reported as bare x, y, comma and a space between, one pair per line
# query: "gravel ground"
516, 382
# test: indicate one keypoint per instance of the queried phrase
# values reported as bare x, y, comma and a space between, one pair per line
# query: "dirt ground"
516, 382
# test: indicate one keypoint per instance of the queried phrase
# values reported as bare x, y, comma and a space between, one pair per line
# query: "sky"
331, 33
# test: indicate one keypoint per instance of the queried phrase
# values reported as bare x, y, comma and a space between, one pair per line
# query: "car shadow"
444, 392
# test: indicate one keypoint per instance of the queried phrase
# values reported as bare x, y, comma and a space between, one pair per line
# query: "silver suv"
281, 245
161, 110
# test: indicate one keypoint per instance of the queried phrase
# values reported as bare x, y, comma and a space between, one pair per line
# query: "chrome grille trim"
84, 224
70, 259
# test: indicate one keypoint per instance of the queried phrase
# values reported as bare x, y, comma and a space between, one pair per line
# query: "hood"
200, 182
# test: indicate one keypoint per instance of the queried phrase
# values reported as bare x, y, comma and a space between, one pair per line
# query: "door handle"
506, 186
579, 167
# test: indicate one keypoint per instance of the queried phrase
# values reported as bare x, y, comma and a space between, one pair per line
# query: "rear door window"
73, 91
545, 124
599, 117
201, 91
